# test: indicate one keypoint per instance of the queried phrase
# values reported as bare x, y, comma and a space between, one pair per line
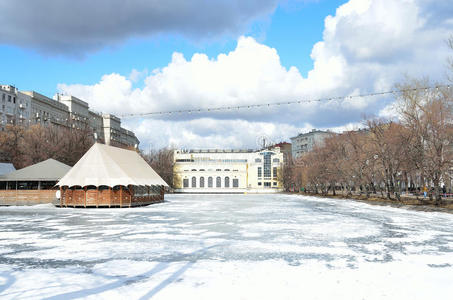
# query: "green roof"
48, 170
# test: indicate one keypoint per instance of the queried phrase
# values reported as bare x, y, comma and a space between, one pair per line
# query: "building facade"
305, 142
30, 108
228, 171
15, 106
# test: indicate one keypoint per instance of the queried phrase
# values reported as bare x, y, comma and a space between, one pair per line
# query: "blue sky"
135, 56
292, 29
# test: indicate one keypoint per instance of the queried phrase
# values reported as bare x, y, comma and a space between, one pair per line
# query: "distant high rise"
305, 142
15, 106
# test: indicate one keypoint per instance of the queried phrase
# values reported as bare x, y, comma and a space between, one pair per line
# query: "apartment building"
45, 110
14, 106
305, 142
30, 107
114, 133
228, 171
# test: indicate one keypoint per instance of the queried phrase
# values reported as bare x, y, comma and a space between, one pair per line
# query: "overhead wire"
259, 105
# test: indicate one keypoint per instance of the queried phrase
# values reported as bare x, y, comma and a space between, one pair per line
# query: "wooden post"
121, 196
131, 195
85, 189
110, 196
61, 196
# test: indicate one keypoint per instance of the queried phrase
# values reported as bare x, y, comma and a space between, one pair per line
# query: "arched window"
202, 182
194, 182
235, 183
185, 182
218, 182
210, 184
227, 182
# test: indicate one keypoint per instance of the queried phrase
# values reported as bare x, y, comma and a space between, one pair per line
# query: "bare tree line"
414, 153
162, 162
26, 145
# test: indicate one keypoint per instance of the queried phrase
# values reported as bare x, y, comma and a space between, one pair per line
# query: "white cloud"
368, 46
136, 75
212, 133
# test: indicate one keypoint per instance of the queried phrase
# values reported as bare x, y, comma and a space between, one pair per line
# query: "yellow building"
228, 171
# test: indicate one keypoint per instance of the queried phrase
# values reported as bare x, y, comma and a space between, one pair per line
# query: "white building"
115, 134
45, 110
228, 171
30, 107
14, 106
305, 142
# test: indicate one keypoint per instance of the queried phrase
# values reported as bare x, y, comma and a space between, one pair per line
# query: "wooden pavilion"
31, 185
108, 176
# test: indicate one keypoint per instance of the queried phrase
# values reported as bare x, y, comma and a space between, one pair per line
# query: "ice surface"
227, 247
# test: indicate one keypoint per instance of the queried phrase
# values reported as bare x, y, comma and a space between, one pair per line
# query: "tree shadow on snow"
129, 280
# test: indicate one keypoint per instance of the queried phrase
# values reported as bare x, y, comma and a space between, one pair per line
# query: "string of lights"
261, 105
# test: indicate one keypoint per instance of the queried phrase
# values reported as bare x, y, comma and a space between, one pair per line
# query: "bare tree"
428, 114
162, 162
450, 59
11, 149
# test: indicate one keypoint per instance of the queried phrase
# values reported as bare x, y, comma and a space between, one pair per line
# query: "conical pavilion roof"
111, 166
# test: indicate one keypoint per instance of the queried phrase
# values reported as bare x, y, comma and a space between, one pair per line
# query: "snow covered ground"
227, 247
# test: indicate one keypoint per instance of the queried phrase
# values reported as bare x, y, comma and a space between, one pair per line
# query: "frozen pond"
227, 247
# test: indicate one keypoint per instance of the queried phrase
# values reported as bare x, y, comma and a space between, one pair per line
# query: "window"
218, 170
259, 183
267, 164
194, 182
185, 182
194, 169
202, 182
276, 160
235, 182
274, 171
259, 171
201, 170
267, 184
210, 182
275, 183
9, 98
227, 182
218, 182
257, 160
227, 170
14, 99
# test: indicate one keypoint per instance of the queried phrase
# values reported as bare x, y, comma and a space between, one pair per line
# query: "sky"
136, 56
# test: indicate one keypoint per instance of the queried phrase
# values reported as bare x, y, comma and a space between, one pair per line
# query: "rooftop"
48, 170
